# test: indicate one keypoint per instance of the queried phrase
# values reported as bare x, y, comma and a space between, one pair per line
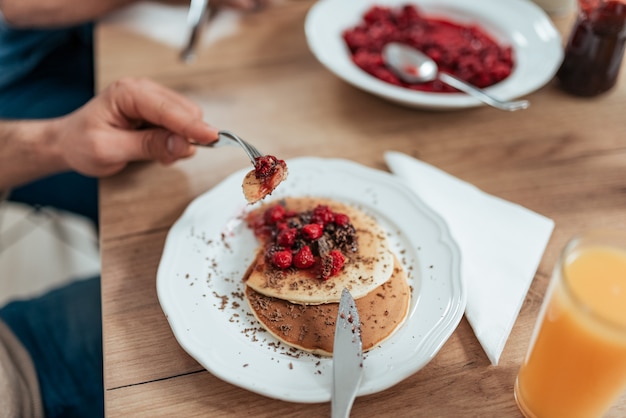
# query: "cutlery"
229, 138
199, 14
413, 66
347, 357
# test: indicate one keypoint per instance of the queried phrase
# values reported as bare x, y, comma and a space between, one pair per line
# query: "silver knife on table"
347, 357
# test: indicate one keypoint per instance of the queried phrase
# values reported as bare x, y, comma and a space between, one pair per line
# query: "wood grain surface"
564, 157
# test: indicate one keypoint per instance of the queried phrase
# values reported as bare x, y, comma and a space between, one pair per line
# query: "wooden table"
564, 157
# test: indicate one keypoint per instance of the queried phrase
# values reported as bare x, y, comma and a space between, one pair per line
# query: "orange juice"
576, 363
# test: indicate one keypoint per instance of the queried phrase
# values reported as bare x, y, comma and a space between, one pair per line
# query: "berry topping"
341, 219
317, 238
466, 51
322, 215
287, 237
282, 259
304, 258
266, 166
274, 214
268, 173
332, 264
312, 231
338, 261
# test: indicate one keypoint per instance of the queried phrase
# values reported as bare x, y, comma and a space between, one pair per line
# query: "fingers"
110, 127
152, 144
142, 100
177, 147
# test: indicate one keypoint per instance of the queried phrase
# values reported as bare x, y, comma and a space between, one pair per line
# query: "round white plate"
207, 251
536, 44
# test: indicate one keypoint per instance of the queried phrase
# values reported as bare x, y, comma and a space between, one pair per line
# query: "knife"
347, 357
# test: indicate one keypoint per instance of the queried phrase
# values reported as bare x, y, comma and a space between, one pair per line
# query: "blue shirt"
22, 50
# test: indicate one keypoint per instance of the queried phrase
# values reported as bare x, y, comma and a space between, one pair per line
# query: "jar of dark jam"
594, 51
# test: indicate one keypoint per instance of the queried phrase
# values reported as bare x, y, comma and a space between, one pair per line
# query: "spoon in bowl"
413, 66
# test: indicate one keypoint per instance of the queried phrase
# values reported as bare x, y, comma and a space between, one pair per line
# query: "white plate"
520, 23
207, 251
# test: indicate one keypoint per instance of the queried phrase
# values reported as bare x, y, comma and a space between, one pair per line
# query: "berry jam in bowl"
508, 48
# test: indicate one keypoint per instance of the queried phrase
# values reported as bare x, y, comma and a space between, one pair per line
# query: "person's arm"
53, 13
50, 13
103, 136
28, 150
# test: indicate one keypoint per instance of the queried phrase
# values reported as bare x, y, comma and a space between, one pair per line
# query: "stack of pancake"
300, 309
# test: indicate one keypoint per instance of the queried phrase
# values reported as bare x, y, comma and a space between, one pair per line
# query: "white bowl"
536, 44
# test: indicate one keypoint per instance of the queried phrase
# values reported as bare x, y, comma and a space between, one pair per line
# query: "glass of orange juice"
576, 362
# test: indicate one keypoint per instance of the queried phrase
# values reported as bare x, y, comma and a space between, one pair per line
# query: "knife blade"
347, 357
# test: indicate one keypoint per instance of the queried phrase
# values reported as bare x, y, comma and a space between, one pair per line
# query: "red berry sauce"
467, 52
314, 239
269, 170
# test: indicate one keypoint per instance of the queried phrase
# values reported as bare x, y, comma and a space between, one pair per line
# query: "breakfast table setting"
477, 203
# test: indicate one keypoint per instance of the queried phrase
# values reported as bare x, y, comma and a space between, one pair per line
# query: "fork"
229, 138
200, 12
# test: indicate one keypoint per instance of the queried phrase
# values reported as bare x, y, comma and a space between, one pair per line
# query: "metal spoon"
413, 66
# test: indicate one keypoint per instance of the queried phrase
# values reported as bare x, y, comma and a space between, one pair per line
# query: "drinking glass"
576, 362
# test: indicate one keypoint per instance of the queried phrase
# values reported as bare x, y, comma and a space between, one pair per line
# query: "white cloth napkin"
501, 246
167, 24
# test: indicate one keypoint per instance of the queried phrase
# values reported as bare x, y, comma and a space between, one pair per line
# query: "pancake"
312, 327
268, 173
364, 270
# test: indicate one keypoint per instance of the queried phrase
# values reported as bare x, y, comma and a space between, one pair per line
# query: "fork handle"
229, 138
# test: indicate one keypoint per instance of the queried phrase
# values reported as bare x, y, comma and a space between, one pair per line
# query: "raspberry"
341, 219
304, 258
331, 264
338, 261
377, 14
282, 259
312, 231
274, 214
287, 237
302, 240
322, 215
265, 166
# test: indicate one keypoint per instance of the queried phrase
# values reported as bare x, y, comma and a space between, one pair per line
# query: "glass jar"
595, 48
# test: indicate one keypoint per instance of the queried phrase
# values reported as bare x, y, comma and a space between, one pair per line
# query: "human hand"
103, 136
